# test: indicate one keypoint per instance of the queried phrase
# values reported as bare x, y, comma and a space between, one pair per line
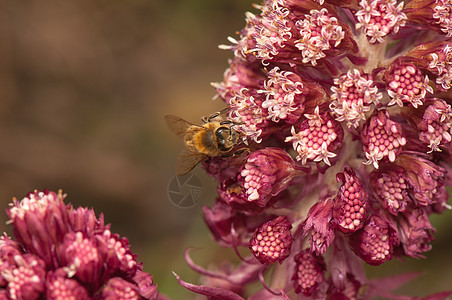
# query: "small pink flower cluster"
65, 253
346, 106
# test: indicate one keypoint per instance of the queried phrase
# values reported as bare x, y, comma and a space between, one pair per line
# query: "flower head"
67, 253
392, 188
436, 57
406, 85
118, 288
436, 125
43, 212
435, 15
353, 93
286, 95
319, 32
317, 139
379, 18
59, 286
426, 180
415, 231
82, 257
25, 277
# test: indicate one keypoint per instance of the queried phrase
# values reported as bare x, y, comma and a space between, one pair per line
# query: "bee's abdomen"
201, 141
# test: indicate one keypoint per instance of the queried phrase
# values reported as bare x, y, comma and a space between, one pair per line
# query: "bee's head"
226, 138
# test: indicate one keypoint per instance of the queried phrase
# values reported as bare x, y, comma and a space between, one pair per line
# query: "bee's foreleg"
229, 122
214, 115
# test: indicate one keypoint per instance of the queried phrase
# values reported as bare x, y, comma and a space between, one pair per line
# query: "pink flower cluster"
62, 252
346, 106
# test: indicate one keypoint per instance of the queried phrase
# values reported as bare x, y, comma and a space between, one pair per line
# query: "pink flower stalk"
67, 253
346, 107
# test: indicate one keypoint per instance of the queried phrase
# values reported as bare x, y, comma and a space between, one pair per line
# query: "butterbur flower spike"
67, 253
346, 107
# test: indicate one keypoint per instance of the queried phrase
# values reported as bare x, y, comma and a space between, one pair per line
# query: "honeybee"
213, 138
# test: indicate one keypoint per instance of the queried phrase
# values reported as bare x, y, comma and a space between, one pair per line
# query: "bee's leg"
223, 111
229, 122
237, 152
241, 150
214, 115
205, 119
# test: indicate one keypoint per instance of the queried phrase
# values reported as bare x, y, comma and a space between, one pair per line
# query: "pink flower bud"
415, 231
59, 286
382, 138
309, 272
266, 172
351, 202
319, 227
392, 188
375, 242
272, 241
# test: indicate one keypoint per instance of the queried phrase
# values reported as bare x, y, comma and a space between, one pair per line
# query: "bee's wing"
178, 125
187, 160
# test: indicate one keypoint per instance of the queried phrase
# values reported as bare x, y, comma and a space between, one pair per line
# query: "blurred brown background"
83, 89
